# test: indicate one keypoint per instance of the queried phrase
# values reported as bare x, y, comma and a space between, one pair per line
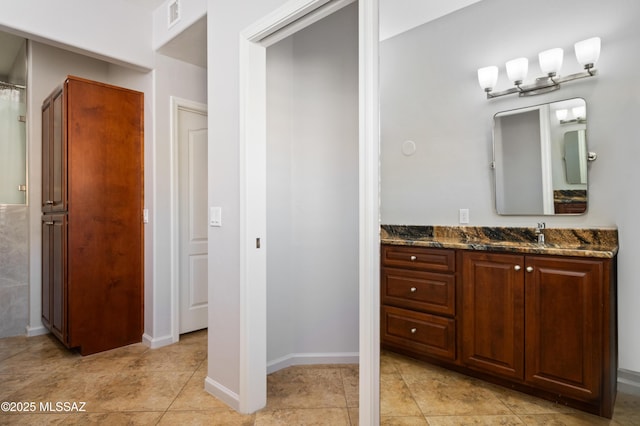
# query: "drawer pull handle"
413, 289
49, 223
517, 267
413, 330
413, 258
529, 268
49, 202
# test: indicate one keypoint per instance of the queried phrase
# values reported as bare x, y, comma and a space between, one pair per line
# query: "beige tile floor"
139, 386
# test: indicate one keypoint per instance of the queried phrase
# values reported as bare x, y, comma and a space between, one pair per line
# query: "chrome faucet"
540, 232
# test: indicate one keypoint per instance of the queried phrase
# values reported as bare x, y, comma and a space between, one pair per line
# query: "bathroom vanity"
495, 304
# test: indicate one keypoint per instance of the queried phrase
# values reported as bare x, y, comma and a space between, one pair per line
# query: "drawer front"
427, 259
424, 291
418, 332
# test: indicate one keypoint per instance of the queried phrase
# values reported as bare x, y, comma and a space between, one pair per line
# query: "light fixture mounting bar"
543, 84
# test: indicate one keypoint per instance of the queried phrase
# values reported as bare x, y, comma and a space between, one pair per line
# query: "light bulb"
488, 77
551, 61
517, 70
561, 114
579, 112
588, 52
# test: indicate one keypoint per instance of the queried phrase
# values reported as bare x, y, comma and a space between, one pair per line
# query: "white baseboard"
222, 393
35, 331
157, 342
311, 358
629, 382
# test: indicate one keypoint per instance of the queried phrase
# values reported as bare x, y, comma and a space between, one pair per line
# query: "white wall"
115, 30
430, 94
225, 21
312, 193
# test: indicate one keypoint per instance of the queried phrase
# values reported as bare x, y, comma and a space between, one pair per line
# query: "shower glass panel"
13, 151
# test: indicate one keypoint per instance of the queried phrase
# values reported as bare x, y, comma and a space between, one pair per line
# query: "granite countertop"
600, 242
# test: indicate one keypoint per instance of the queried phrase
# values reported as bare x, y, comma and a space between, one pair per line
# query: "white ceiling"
398, 16
150, 5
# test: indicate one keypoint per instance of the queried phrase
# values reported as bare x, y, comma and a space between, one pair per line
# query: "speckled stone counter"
602, 243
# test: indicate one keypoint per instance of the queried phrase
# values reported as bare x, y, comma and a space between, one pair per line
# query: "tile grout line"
344, 394
166, 410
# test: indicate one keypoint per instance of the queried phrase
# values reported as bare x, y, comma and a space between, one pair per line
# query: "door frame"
177, 104
253, 43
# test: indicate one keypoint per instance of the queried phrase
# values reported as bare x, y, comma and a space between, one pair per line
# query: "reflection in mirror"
540, 159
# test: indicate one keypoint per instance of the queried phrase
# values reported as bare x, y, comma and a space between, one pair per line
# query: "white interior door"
192, 189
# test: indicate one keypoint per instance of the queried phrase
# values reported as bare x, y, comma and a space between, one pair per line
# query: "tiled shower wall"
14, 270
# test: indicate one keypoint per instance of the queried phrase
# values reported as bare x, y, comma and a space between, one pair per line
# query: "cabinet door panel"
46, 157
493, 313
46, 273
58, 184
564, 326
58, 278
54, 295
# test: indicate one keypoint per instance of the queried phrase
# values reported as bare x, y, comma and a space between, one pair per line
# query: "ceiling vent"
173, 12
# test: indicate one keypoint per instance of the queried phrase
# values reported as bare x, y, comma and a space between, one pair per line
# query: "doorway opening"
254, 41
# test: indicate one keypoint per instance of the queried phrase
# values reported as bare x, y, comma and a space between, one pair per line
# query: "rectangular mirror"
540, 159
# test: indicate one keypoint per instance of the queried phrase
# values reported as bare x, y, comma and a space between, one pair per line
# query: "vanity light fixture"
579, 114
587, 54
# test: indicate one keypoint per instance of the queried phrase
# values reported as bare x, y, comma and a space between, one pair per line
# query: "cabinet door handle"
49, 223
517, 267
413, 289
529, 268
413, 258
414, 330
49, 202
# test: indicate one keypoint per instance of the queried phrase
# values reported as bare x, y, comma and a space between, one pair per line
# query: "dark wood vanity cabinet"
547, 322
418, 295
92, 205
542, 324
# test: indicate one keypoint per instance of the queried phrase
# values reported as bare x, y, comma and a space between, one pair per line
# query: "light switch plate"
215, 216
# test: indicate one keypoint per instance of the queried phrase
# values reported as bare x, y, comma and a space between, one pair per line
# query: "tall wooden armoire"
92, 205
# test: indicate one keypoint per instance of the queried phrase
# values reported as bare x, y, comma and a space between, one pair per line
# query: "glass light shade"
561, 114
488, 77
588, 51
579, 112
551, 61
517, 69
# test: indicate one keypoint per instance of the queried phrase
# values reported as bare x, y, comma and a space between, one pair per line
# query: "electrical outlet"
463, 216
